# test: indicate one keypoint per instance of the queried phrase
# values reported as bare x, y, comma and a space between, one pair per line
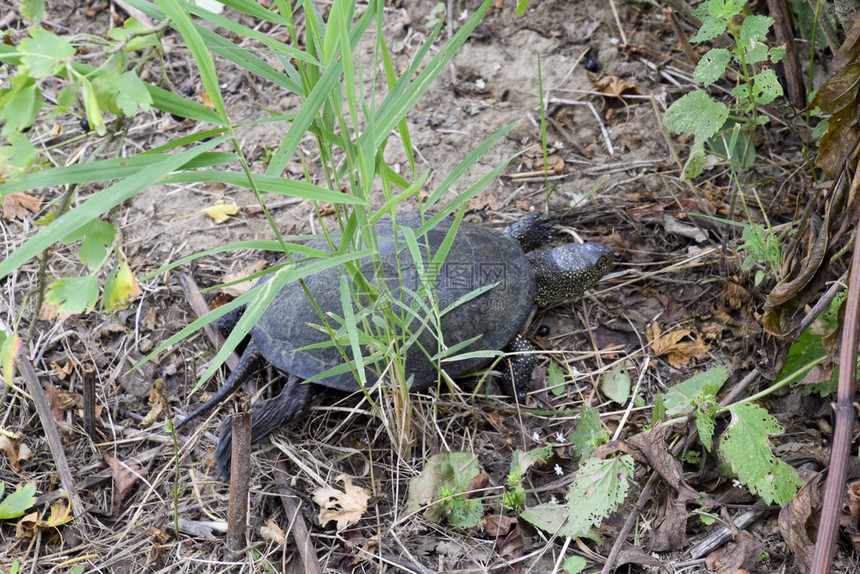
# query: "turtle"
486, 291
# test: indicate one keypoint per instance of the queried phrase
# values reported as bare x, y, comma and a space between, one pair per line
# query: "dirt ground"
616, 180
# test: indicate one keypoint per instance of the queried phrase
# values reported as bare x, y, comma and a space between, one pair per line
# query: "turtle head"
567, 271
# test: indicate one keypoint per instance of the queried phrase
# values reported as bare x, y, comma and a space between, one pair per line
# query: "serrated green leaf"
444, 472
705, 426
131, 94
757, 53
18, 157
712, 66
43, 52
587, 430
98, 235
746, 448
599, 489
766, 87
695, 164
754, 29
698, 114
616, 384
523, 460
711, 28
17, 503
74, 294
680, 398
776, 54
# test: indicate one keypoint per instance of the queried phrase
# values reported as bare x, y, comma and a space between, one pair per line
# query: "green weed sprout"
697, 113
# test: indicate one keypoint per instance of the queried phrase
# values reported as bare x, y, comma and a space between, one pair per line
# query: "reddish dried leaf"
797, 514
484, 200
838, 96
125, 476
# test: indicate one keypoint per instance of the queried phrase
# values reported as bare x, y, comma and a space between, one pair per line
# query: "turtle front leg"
266, 418
516, 370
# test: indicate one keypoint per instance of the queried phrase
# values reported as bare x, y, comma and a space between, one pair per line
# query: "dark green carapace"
515, 279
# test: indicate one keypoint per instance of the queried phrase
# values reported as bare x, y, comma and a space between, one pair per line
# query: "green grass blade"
104, 170
98, 204
203, 59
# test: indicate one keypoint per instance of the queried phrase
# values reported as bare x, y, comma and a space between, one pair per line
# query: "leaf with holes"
745, 446
599, 489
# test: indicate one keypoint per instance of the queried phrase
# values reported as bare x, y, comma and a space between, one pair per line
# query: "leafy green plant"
588, 434
443, 485
14, 569
600, 487
808, 358
699, 114
745, 446
515, 493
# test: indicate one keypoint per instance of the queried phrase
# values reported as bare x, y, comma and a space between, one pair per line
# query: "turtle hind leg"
516, 370
290, 405
533, 230
250, 361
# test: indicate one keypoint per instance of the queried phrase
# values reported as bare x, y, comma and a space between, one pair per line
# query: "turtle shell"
479, 257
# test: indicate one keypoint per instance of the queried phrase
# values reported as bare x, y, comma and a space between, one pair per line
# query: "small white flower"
558, 470
463, 15
737, 483
559, 437
480, 83
535, 436
614, 41
553, 500
558, 145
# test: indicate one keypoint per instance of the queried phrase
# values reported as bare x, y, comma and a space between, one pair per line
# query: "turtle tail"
250, 361
289, 405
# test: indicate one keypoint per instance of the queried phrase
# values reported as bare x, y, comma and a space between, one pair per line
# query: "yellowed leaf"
345, 507
221, 211
19, 205
60, 514
156, 405
123, 289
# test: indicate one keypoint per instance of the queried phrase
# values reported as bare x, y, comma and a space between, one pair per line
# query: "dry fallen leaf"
19, 205
616, 86
244, 286
221, 211
10, 447
272, 532
484, 200
156, 405
125, 476
345, 507
676, 352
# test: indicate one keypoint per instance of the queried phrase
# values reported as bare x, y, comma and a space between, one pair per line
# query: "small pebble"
542, 331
